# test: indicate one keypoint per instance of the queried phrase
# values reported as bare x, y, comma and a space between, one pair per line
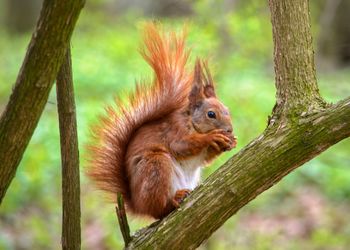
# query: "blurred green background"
309, 209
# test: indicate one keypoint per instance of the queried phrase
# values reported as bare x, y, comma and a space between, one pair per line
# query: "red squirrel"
151, 149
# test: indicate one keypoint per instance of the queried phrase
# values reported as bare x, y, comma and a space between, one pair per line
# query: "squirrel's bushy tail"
168, 92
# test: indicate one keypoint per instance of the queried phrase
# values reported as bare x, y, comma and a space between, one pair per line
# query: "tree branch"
122, 219
44, 56
294, 57
247, 174
69, 156
302, 126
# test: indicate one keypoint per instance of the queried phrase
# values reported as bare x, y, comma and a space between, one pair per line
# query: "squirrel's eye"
211, 114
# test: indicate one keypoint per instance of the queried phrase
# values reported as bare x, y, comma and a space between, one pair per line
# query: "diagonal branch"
302, 127
261, 164
44, 56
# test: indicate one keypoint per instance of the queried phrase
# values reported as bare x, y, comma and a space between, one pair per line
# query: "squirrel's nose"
229, 130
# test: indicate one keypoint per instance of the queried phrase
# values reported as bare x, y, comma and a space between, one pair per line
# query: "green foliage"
105, 64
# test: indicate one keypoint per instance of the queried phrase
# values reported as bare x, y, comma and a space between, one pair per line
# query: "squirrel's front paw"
219, 140
233, 141
179, 197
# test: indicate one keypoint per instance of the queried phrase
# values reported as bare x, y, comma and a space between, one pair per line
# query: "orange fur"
167, 56
150, 148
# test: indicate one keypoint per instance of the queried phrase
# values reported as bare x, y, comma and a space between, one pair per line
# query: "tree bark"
44, 56
69, 156
302, 126
254, 169
294, 58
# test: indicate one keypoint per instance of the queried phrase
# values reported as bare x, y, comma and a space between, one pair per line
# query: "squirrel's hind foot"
179, 197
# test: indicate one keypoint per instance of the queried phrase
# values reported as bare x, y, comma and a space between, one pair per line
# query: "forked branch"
302, 126
44, 56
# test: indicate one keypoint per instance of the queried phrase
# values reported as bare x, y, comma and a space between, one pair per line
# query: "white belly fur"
187, 173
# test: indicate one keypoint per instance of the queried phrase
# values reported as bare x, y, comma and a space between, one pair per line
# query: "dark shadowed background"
309, 209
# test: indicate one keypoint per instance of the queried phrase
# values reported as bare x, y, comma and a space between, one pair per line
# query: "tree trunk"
296, 83
45, 55
69, 156
302, 126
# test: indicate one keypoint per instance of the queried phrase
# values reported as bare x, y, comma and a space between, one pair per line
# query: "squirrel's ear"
209, 89
197, 92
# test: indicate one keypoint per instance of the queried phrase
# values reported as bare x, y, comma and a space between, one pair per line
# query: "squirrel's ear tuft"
198, 73
197, 92
209, 89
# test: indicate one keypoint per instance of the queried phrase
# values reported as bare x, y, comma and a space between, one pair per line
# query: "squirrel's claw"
179, 197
